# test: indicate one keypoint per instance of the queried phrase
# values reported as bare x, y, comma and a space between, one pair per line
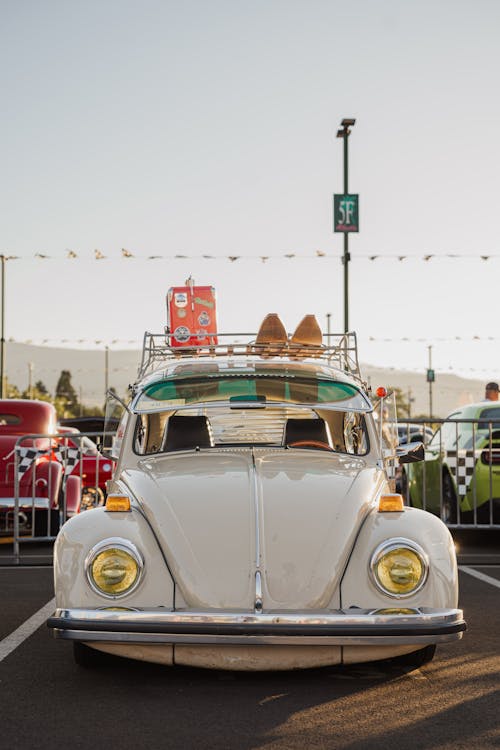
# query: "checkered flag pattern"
69, 457
461, 463
26, 458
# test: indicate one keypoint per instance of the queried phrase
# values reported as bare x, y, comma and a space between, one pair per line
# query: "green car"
459, 480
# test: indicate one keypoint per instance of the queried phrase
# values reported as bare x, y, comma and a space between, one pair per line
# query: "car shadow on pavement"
450, 702
328, 707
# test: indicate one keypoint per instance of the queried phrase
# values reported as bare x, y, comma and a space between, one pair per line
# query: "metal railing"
46, 479
459, 480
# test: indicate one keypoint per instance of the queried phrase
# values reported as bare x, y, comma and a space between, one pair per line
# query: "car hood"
221, 515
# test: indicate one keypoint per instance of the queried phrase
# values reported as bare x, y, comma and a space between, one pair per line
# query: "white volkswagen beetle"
251, 524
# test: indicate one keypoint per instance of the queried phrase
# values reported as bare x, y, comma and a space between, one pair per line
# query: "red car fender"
50, 472
73, 495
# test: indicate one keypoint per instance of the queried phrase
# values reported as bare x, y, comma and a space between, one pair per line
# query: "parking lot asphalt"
23, 592
476, 546
47, 700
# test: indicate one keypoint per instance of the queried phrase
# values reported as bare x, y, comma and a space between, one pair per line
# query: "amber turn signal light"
117, 503
391, 503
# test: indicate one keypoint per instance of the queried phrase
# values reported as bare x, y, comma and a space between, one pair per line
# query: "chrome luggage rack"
340, 351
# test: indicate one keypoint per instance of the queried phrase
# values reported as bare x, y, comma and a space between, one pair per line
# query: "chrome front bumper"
349, 627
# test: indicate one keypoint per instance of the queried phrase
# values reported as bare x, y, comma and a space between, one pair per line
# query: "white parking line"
482, 577
24, 631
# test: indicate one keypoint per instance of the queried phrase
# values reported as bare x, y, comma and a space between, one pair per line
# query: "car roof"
469, 411
30, 416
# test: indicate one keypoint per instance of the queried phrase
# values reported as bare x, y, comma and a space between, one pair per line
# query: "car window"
447, 435
456, 434
251, 427
355, 434
490, 414
261, 388
6, 419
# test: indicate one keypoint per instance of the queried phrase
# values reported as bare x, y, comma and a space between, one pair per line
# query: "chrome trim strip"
256, 514
258, 601
25, 503
252, 640
366, 408
258, 592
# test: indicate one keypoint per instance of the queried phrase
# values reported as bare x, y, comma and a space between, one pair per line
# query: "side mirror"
410, 452
420, 437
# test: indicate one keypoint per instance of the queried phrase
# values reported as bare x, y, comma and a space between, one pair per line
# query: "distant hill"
87, 367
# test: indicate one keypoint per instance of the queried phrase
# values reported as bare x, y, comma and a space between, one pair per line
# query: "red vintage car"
92, 467
48, 493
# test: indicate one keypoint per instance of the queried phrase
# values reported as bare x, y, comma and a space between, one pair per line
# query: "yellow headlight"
399, 568
114, 569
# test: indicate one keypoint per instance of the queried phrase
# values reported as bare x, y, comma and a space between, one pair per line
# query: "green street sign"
345, 213
431, 376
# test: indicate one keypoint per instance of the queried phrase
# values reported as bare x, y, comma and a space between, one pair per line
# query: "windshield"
259, 389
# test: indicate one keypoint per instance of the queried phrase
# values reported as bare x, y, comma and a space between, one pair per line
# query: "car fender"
430, 533
78, 537
48, 477
73, 495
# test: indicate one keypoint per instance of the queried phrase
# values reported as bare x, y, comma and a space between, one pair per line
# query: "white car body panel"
267, 537
81, 533
441, 588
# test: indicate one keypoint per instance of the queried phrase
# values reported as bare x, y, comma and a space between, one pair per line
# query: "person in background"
491, 392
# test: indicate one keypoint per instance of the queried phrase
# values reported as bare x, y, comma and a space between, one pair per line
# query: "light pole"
430, 379
30, 380
328, 327
344, 132
410, 401
3, 374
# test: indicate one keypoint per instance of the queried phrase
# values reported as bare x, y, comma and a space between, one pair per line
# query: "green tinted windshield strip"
268, 388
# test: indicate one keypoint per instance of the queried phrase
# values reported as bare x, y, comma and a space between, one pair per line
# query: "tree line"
65, 397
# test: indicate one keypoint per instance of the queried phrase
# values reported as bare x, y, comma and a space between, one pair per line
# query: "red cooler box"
191, 314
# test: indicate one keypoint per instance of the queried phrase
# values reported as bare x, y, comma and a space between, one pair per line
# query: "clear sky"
195, 127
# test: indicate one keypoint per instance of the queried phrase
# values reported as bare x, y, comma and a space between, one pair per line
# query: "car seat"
299, 430
184, 433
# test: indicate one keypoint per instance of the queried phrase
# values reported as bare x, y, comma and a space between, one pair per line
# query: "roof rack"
340, 351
